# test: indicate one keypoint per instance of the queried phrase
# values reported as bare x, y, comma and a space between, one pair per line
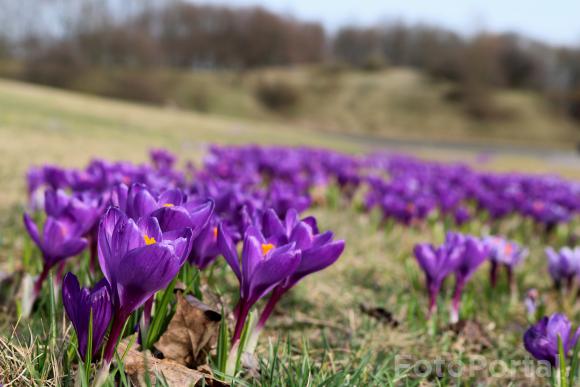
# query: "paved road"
562, 157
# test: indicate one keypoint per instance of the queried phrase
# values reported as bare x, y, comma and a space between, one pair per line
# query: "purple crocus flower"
162, 159
461, 215
503, 252
79, 303
318, 251
137, 259
473, 252
436, 263
205, 248
58, 242
194, 214
83, 210
141, 201
541, 339
56, 177
531, 303
263, 266
563, 264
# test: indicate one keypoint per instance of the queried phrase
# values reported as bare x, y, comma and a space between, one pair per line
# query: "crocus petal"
55, 202
251, 257
228, 250
311, 221
322, 239
73, 247
140, 202
54, 233
173, 218
71, 296
302, 236
200, 216
145, 270
119, 196
271, 224
316, 259
183, 245
270, 272
79, 303
149, 227
172, 197
102, 312
116, 236
290, 220
32, 229
425, 255
559, 325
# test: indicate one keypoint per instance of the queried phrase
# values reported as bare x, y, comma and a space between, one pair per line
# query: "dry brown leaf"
383, 315
136, 363
191, 333
470, 334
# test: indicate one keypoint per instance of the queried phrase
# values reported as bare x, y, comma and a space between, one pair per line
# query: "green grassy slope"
44, 125
330, 340
394, 102
41, 125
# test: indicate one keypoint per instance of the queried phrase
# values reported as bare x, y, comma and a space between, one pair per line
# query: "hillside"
44, 125
391, 103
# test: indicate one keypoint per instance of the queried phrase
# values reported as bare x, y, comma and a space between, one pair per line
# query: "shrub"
277, 95
138, 86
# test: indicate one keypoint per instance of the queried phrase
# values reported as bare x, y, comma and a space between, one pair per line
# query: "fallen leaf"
192, 332
471, 334
381, 314
174, 374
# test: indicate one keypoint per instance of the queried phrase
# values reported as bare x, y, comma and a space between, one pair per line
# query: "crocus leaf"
562, 363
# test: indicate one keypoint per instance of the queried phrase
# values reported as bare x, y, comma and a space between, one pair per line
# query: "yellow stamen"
215, 233
266, 247
168, 205
149, 240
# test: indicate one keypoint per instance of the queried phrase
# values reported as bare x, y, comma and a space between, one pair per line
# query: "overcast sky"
555, 21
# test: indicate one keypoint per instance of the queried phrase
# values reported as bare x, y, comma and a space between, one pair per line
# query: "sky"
553, 21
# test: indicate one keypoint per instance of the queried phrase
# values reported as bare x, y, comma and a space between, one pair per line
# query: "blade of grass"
562, 363
574, 364
158, 320
89, 353
222, 344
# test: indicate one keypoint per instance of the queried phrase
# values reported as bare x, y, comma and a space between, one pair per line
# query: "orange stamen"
266, 247
149, 240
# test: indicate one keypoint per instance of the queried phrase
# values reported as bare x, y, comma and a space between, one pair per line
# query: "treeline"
72, 38
174, 34
477, 64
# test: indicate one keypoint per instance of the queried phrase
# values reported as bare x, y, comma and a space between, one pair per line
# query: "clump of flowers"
507, 254
563, 265
460, 255
551, 339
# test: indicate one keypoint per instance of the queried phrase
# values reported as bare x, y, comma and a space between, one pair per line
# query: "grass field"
322, 334
44, 125
391, 103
